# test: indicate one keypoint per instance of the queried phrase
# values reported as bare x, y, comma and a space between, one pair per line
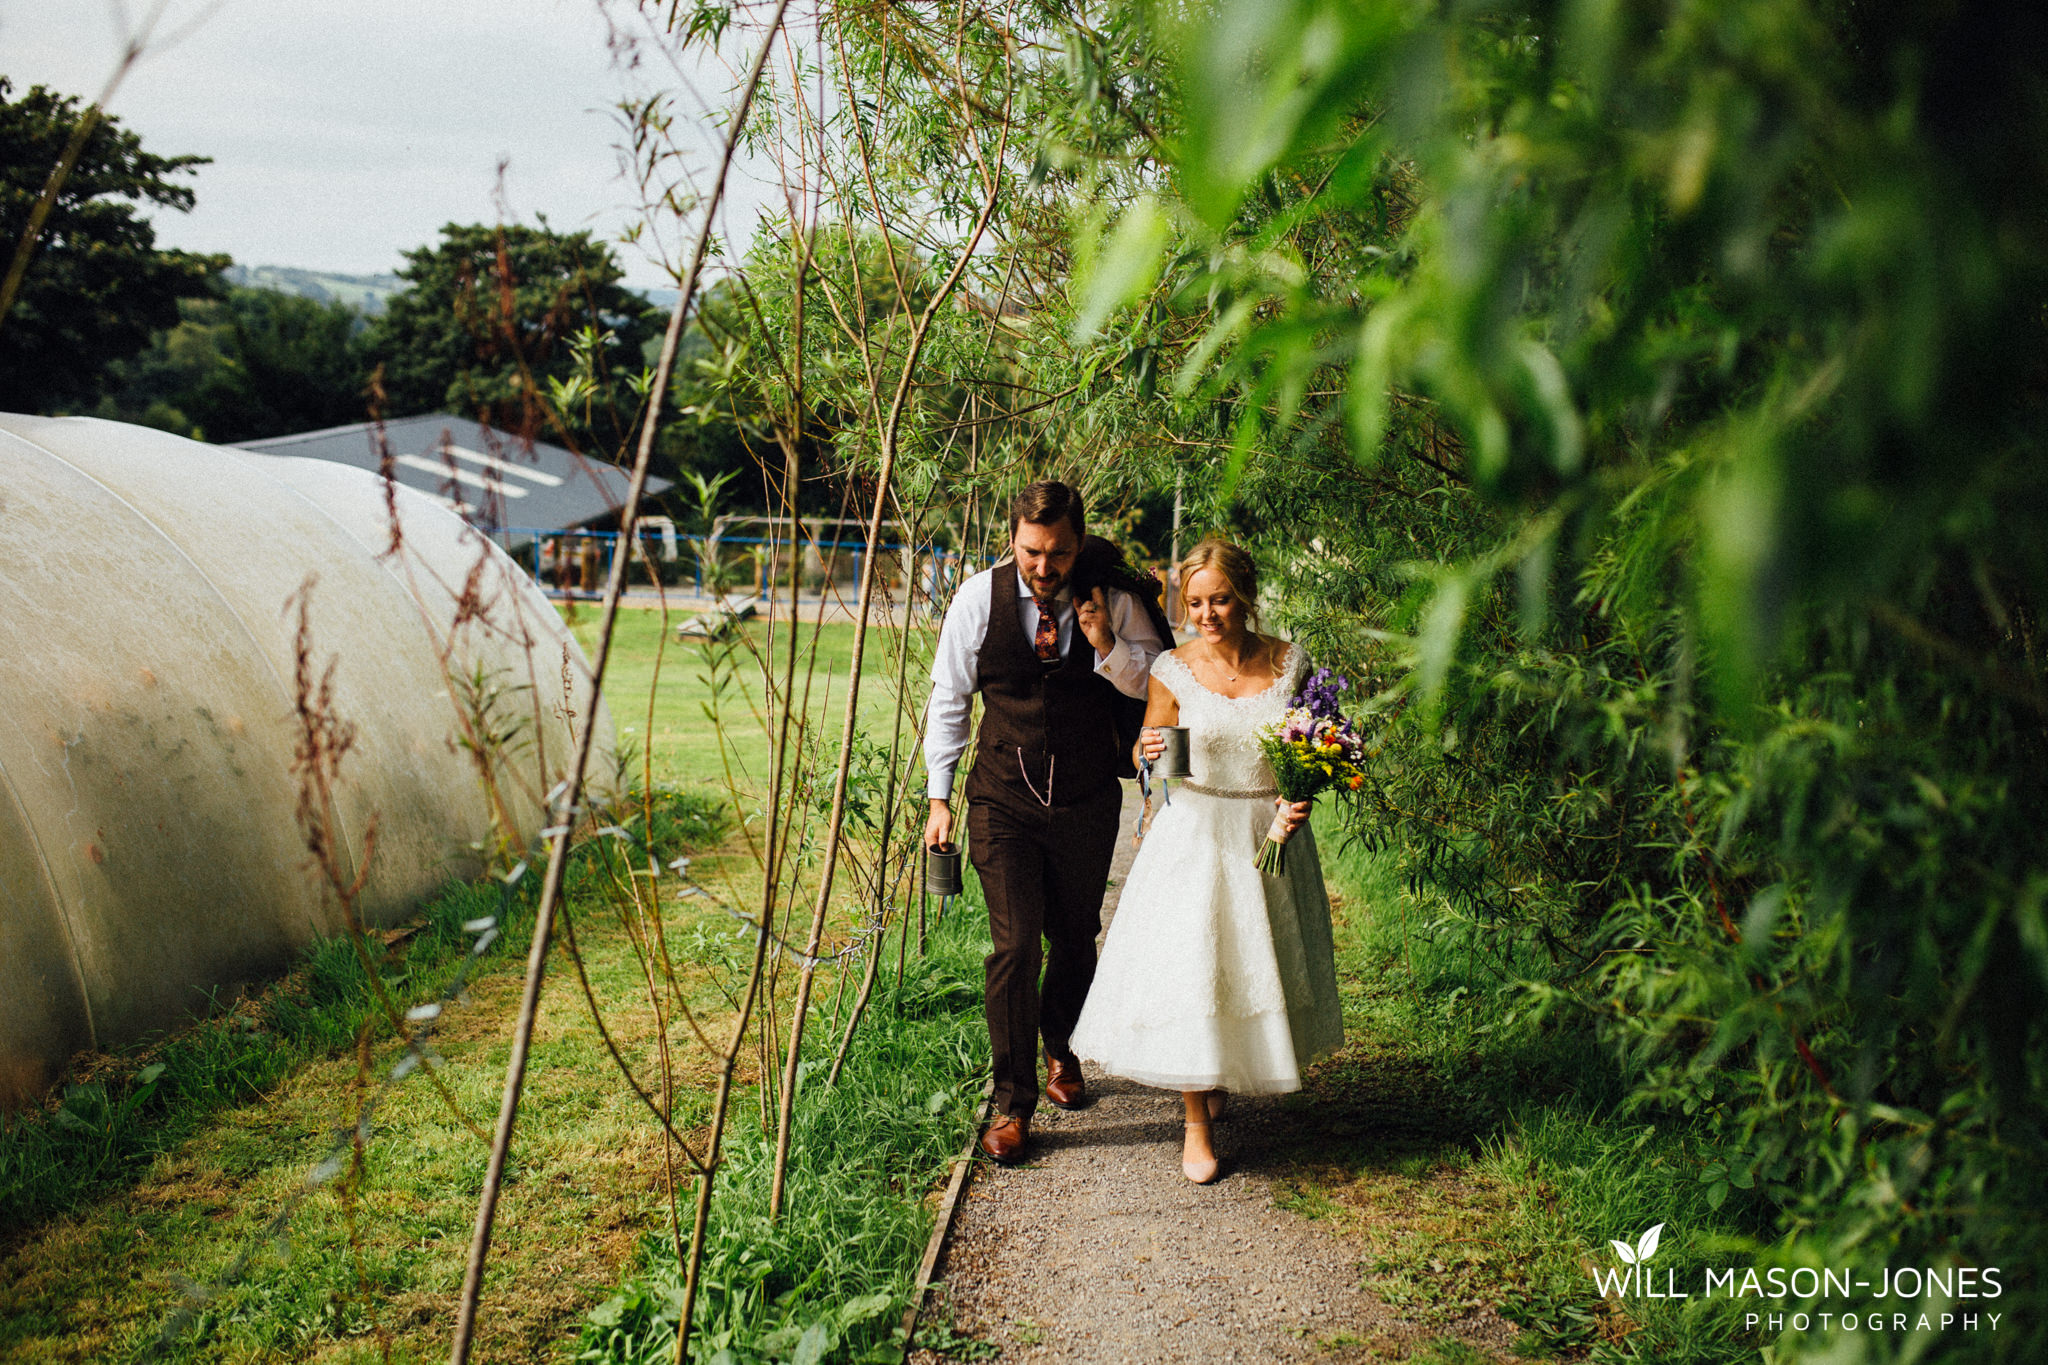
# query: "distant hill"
367, 292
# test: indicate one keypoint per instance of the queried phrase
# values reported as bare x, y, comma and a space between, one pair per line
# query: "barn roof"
495, 480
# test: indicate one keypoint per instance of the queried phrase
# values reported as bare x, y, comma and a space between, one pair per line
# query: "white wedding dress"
1214, 974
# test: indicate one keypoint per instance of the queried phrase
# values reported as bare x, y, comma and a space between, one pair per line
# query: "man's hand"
1093, 618
938, 826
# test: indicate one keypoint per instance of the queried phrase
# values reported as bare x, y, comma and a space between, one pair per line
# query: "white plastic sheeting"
150, 850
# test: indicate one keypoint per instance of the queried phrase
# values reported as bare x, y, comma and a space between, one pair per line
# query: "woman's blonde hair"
1233, 563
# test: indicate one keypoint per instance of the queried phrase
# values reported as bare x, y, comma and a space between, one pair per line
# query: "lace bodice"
1223, 745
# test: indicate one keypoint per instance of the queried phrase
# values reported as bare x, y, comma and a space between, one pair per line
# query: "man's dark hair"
1045, 503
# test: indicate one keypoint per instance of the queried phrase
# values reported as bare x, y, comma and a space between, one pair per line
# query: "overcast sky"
343, 132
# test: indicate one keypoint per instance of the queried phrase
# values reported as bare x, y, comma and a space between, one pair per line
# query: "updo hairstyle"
1234, 564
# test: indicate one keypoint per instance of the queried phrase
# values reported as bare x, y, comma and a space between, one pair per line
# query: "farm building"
495, 481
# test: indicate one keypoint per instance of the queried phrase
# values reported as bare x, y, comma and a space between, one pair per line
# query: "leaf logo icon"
1643, 1250
1646, 1245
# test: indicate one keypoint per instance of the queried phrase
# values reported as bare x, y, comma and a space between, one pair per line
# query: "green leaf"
817, 1341
1762, 921
854, 1312
1125, 268
1264, 77
1372, 376
1443, 621
1741, 585
1553, 395
1213, 340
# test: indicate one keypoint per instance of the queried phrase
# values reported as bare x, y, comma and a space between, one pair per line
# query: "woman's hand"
1151, 744
1290, 816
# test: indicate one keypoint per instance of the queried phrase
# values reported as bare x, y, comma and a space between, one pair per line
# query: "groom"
1042, 798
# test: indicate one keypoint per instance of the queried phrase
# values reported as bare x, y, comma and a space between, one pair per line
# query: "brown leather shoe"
1004, 1140
1063, 1083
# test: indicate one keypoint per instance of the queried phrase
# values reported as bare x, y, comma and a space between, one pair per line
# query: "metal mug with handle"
1173, 759
942, 870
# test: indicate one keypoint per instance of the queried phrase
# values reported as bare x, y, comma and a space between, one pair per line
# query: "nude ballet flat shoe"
1201, 1172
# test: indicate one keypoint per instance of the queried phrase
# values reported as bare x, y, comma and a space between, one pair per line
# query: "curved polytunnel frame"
151, 851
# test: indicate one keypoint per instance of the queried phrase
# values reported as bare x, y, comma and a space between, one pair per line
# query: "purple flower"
1319, 694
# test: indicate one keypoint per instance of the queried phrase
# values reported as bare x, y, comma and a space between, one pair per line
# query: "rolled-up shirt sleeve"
955, 665
1128, 665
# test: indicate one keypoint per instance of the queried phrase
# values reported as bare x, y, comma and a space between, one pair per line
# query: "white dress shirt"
1128, 665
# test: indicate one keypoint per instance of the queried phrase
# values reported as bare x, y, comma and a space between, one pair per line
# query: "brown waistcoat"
1055, 717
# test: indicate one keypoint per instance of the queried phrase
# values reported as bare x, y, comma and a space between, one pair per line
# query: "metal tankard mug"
942, 870
1173, 760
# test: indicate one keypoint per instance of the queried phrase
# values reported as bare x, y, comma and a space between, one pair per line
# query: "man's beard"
1049, 586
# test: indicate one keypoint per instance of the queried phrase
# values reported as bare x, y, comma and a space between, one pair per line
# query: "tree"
1664, 382
1647, 401
97, 286
255, 363
507, 323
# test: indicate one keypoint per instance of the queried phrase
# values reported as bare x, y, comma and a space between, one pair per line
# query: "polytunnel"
151, 853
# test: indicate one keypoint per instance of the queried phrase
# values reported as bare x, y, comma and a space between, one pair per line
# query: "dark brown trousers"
1044, 870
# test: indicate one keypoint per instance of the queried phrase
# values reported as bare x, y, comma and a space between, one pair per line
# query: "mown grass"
1480, 1150
699, 679
107, 1126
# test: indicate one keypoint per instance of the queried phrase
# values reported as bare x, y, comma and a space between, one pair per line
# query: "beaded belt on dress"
1246, 794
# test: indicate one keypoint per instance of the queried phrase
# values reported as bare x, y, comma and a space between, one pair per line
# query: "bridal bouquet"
1310, 749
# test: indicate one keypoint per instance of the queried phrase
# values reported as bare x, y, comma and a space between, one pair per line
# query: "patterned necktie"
1046, 640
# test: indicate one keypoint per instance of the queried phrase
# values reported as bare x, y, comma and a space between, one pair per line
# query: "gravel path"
1099, 1250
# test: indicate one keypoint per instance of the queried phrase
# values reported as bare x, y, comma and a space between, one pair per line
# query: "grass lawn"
694, 674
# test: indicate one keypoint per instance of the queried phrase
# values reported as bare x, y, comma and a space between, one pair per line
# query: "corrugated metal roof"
493, 479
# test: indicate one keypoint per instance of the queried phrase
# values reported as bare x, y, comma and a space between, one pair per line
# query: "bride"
1214, 976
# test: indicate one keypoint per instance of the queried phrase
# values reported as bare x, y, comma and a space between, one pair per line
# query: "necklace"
1242, 663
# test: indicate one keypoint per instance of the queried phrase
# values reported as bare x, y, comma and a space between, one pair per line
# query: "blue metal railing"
576, 564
